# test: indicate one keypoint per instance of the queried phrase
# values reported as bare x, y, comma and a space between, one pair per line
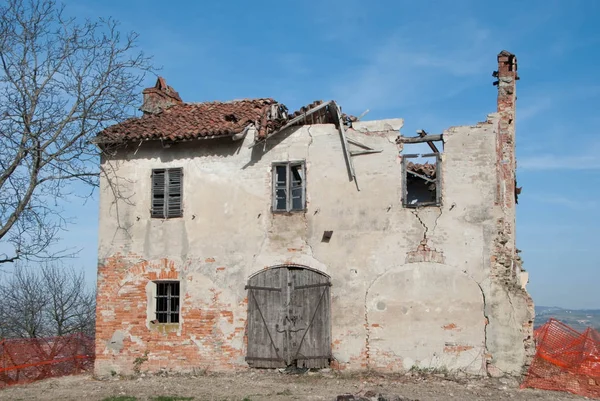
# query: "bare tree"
47, 301
60, 83
22, 304
71, 307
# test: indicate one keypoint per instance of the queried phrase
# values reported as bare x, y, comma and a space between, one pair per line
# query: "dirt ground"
256, 385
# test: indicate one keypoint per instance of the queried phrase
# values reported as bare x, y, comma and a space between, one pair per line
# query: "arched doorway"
289, 318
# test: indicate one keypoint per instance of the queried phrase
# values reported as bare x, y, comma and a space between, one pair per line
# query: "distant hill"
579, 319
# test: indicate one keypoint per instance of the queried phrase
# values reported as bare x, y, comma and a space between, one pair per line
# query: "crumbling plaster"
411, 287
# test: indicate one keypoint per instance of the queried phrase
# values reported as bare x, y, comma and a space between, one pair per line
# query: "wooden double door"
289, 318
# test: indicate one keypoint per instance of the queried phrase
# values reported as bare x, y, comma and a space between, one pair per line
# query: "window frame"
168, 313
438, 180
288, 186
166, 212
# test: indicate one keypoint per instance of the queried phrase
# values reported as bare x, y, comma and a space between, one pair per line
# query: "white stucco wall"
386, 313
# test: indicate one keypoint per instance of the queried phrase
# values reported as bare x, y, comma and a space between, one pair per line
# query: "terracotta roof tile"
191, 121
166, 117
427, 169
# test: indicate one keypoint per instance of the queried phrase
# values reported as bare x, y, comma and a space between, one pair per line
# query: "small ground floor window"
167, 301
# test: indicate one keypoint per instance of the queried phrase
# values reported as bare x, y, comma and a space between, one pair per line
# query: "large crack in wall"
423, 251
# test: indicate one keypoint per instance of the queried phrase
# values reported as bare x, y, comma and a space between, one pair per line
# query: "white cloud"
587, 161
561, 200
406, 69
537, 100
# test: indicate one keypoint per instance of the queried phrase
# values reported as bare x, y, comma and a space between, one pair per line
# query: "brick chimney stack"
507, 77
507, 96
159, 97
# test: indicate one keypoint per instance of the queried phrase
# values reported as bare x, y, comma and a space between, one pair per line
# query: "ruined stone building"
236, 234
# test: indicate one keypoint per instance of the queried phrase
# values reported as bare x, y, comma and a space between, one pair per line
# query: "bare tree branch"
61, 82
51, 300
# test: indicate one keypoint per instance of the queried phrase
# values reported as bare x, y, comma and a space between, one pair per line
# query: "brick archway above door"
289, 319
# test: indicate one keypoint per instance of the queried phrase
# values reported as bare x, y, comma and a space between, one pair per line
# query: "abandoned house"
236, 234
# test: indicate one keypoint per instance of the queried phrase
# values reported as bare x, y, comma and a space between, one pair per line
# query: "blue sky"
429, 62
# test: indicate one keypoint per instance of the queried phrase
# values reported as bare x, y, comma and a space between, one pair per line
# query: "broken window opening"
231, 118
167, 190
421, 176
167, 301
289, 186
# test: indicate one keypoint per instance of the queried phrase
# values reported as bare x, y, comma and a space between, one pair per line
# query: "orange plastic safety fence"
23, 360
565, 360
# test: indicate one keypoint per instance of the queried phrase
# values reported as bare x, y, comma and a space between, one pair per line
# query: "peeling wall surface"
411, 288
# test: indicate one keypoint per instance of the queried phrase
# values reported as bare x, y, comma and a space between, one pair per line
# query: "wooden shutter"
265, 303
158, 193
167, 193
174, 192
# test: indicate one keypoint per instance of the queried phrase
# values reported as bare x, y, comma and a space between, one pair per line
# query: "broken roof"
173, 120
190, 121
426, 169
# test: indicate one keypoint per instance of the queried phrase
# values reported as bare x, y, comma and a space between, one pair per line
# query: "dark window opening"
289, 186
231, 118
167, 301
167, 191
421, 176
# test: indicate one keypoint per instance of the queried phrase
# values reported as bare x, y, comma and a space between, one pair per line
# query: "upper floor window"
421, 180
289, 186
167, 191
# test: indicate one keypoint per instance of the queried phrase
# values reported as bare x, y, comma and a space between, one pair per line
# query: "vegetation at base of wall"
159, 398
429, 371
137, 363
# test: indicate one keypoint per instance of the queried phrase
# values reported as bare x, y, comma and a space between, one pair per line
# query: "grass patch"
120, 398
169, 398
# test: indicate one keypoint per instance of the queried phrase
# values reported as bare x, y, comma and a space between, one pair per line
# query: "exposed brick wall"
506, 264
159, 97
198, 343
507, 96
505, 256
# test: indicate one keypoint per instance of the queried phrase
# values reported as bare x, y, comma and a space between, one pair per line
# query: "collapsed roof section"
166, 117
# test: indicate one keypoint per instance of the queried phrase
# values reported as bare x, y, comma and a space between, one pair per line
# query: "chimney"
507, 77
159, 97
507, 96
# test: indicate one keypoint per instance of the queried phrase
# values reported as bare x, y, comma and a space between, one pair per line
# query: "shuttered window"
167, 192
289, 186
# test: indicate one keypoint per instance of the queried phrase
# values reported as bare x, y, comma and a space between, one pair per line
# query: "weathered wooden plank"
291, 325
420, 139
355, 142
347, 156
364, 152
254, 287
300, 287
311, 344
264, 343
294, 121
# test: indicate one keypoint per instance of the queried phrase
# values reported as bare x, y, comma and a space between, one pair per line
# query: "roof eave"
104, 141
